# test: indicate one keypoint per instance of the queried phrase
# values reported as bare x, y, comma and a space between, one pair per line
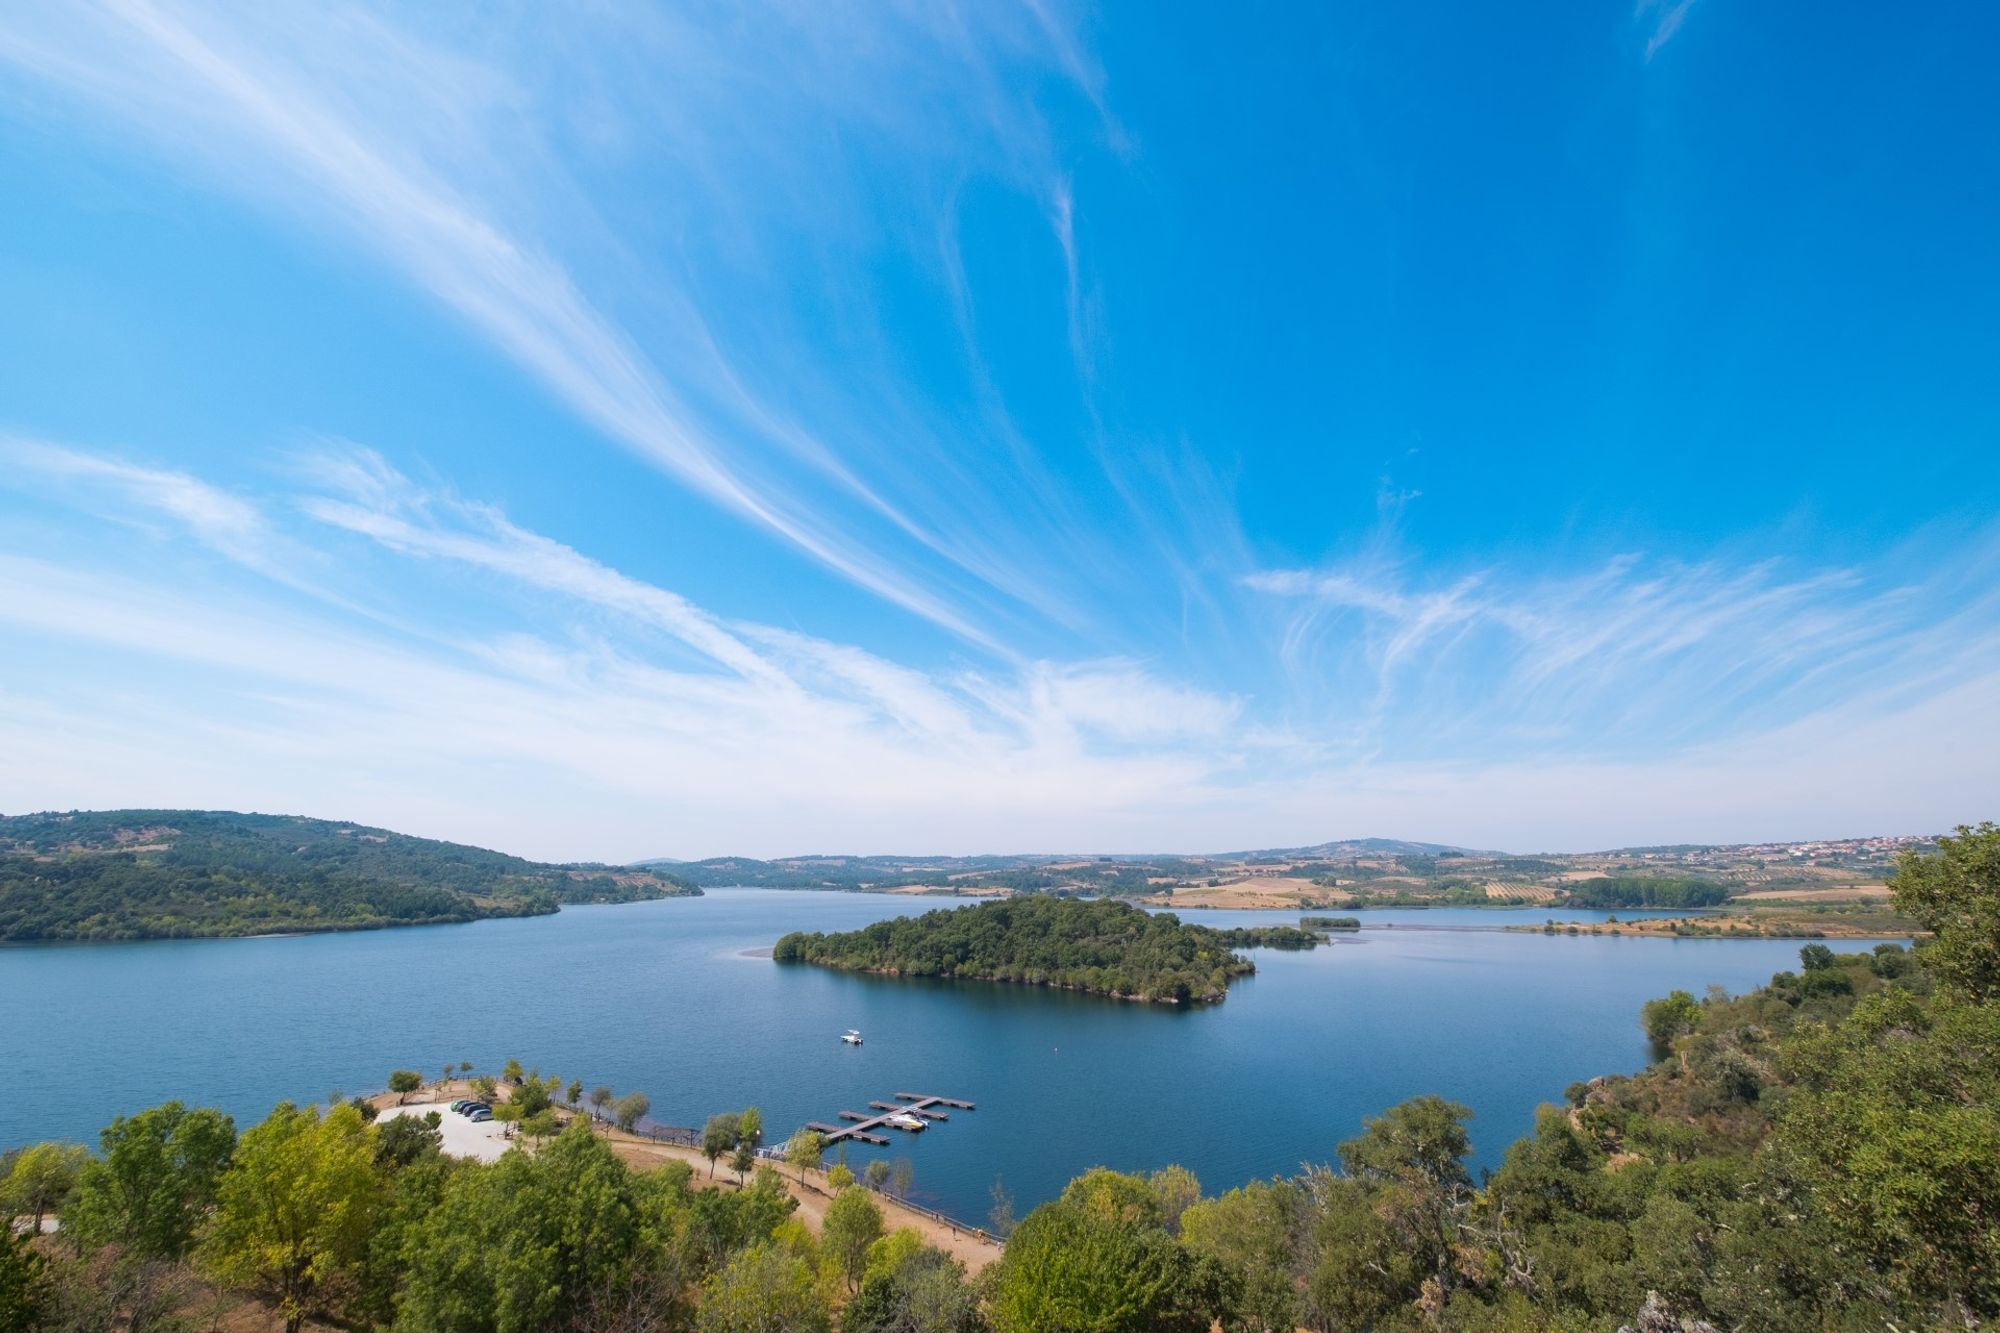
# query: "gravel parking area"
462, 1138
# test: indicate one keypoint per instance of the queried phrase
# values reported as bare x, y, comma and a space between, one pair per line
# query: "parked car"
460, 1104
469, 1107
479, 1115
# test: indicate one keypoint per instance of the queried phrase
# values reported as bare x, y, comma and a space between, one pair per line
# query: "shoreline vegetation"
1820, 1153
1099, 946
190, 874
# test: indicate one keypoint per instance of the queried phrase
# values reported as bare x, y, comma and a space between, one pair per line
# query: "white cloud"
453, 164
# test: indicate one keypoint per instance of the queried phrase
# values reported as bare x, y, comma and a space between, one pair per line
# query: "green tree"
742, 1159
876, 1174
511, 1071
43, 1177
1177, 1190
1896, 1130
574, 1092
1071, 1267
22, 1290
1815, 958
910, 1287
531, 1099
404, 1140
1956, 896
804, 1150
718, 1136
901, 1176
1675, 1015
631, 1109
764, 1289
1250, 1232
852, 1224
600, 1098
516, 1246
403, 1082
295, 1209
153, 1182
1412, 1159
750, 1126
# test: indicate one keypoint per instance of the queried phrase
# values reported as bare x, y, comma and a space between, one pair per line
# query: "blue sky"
621, 430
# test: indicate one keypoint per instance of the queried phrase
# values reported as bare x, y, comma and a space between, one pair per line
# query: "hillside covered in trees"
1102, 946
144, 874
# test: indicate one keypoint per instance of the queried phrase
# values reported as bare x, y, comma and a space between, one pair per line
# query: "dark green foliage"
921, 1291
1642, 891
1102, 946
404, 1140
1098, 1260
21, 1282
512, 1245
155, 1181
138, 874
1956, 896
1671, 1016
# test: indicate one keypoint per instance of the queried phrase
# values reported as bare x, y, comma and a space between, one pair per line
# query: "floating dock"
863, 1126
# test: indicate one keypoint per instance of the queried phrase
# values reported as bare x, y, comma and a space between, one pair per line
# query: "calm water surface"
666, 997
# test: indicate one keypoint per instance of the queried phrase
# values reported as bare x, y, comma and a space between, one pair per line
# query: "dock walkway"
906, 1103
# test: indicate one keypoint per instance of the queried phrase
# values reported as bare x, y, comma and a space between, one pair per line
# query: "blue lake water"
669, 998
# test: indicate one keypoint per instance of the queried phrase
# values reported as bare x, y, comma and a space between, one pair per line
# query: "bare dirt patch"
1854, 894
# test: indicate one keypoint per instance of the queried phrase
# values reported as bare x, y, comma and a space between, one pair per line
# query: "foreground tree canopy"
1820, 1154
1101, 945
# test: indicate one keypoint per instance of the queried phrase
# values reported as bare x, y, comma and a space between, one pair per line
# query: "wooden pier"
907, 1103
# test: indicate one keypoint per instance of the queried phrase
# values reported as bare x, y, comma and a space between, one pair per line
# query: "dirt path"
969, 1248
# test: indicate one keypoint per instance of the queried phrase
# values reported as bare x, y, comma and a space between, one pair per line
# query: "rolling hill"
147, 874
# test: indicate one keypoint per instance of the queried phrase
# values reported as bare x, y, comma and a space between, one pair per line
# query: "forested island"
154, 874
1102, 946
1822, 1153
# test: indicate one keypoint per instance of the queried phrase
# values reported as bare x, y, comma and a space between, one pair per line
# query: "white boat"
851, 1037
904, 1120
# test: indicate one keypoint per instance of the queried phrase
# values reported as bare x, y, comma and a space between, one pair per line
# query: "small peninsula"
1101, 946
172, 874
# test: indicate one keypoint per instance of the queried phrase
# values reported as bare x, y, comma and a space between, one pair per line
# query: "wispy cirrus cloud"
573, 682
1664, 17
1634, 654
444, 164
553, 704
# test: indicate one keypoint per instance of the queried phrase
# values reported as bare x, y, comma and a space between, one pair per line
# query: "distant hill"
145, 874
1355, 848
1031, 871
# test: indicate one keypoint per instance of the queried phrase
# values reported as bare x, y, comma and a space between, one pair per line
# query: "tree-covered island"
165, 874
1102, 946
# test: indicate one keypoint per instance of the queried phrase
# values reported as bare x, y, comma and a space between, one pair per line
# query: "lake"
668, 998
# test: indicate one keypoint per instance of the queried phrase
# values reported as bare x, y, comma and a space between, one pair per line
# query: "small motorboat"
851, 1037
903, 1120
